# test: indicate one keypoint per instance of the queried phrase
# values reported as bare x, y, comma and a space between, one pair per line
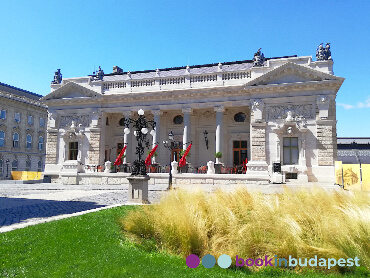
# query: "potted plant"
218, 165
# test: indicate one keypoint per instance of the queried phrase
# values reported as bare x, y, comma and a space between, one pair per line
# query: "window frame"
290, 147
2, 139
28, 165
42, 120
41, 143
72, 153
3, 111
15, 168
28, 142
15, 117
30, 120
15, 142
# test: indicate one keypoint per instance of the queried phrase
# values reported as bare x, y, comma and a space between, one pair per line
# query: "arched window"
29, 141
178, 120
239, 117
41, 143
15, 165
15, 140
2, 138
122, 122
39, 166
28, 165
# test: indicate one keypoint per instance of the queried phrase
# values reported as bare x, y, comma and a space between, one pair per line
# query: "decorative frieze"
292, 111
79, 120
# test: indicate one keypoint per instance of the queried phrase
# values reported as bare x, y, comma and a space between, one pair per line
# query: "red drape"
119, 157
147, 160
183, 158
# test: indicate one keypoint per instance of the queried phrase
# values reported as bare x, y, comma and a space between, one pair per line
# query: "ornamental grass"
329, 224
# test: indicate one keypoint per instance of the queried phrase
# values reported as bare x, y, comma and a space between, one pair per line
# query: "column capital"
127, 114
187, 110
220, 109
157, 112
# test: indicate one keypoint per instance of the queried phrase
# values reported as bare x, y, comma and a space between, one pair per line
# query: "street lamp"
206, 137
141, 129
171, 145
7, 167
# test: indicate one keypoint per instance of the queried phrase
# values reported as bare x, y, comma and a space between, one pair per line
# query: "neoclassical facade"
23, 121
275, 110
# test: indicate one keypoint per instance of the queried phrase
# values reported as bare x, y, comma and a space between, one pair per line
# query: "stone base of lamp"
138, 190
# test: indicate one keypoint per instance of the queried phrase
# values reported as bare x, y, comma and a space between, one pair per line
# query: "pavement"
22, 205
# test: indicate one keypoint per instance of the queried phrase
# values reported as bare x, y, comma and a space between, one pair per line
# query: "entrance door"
240, 149
175, 153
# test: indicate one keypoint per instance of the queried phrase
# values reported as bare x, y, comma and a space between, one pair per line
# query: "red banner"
148, 158
119, 157
183, 158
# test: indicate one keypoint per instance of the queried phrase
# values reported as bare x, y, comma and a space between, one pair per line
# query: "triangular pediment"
71, 90
291, 73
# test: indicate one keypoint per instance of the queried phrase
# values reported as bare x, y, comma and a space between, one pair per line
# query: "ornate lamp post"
141, 129
206, 137
171, 145
7, 168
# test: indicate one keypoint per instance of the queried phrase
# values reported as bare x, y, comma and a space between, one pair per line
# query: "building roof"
179, 71
17, 94
356, 140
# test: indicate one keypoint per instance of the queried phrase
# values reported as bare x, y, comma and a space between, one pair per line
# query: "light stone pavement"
22, 205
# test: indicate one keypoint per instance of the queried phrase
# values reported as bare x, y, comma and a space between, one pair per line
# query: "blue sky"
38, 37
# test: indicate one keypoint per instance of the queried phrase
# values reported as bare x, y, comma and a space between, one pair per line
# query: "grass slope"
92, 245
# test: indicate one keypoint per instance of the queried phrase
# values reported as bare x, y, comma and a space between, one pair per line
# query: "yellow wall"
351, 176
26, 175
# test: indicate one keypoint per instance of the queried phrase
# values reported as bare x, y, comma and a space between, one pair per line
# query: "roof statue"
258, 58
57, 77
99, 74
323, 53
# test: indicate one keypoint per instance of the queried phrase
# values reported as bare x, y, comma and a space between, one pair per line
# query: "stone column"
126, 137
219, 130
156, 136
186, 134
257, 168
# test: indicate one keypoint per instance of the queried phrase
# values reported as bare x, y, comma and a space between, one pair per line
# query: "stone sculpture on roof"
258, 58
99, 74
323, 53
57, 77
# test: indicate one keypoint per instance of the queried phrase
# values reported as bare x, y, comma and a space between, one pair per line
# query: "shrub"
250, 225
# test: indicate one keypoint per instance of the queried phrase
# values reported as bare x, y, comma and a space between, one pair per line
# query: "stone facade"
277, 110
23, 123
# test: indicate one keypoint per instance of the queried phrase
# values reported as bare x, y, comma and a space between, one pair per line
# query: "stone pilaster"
94, 150
258, 141
51, 146
326, 142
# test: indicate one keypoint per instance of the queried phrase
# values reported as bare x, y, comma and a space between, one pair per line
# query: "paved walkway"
28, 204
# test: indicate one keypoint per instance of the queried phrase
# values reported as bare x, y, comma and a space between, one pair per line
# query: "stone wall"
51, 147
94, 149
326, 143
258, 146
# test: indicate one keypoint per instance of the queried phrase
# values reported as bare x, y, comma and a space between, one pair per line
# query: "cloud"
365, 104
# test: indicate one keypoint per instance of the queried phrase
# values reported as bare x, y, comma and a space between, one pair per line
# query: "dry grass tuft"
250, 225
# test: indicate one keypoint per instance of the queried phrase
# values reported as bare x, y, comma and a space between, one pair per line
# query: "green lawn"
92, 245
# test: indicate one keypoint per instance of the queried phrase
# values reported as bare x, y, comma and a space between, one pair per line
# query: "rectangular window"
28, 165
240, 149
3, 114
30, 120
290, 150
73, 150
17, 117
2, 138
42, 122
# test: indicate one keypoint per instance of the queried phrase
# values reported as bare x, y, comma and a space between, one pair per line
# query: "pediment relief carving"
291, 73
71, 90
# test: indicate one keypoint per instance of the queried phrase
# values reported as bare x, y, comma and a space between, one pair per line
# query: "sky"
38, 37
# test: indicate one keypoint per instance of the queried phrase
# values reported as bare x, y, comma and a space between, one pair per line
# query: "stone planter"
218, 168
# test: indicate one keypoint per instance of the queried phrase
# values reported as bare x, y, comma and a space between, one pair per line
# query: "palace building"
267, 110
